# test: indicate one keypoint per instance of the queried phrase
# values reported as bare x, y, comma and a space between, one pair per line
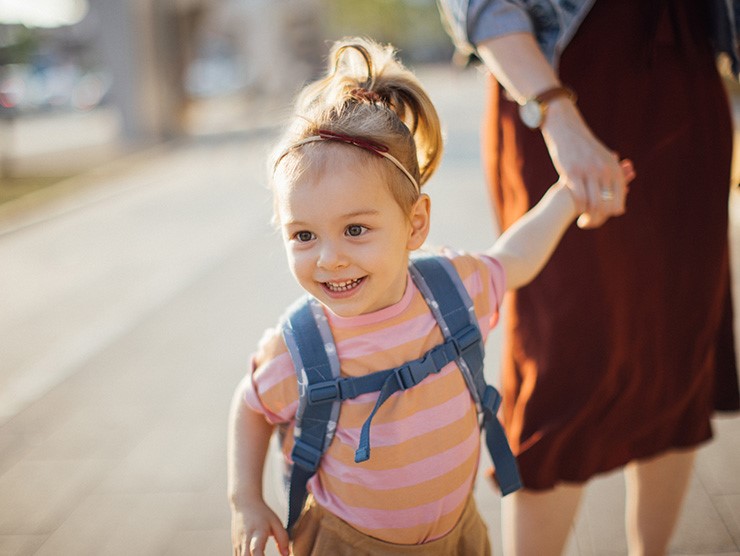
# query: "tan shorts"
320, 533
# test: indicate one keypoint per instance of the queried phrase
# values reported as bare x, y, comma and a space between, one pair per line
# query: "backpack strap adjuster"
337, 390
305, 455
491, 401
321, 392
467, 338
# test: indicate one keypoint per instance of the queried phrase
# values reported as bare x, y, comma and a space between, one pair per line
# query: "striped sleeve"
273, 389
484, 280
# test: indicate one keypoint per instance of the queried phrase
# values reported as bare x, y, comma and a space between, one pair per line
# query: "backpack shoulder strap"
444, 292
312, 349
447, 298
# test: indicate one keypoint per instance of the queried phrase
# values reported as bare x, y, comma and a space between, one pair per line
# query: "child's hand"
250, 530
613, 202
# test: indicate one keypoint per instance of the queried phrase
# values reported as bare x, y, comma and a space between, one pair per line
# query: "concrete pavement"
128, 315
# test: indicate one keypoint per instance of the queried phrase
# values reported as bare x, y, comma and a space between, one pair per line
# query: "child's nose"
331, 256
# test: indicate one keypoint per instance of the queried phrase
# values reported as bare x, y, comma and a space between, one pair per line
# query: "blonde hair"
367, 95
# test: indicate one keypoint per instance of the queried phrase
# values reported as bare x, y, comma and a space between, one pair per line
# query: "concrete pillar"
280, 42
145, 45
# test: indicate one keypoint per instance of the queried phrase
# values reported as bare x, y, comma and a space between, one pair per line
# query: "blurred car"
28, 88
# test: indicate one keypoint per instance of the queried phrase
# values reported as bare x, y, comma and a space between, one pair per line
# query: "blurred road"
131, 298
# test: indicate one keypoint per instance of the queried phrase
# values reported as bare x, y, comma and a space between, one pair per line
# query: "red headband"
371, 146
375, 148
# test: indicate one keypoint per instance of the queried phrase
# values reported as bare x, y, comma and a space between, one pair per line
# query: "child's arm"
525, 247
252, 521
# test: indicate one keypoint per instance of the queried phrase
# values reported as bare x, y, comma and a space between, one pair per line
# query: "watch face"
531, 114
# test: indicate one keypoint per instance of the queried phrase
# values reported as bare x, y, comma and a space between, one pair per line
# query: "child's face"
346, 237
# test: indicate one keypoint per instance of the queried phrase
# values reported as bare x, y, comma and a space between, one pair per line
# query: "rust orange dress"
622, 348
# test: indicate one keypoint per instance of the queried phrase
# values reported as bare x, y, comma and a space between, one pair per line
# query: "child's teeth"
342, 286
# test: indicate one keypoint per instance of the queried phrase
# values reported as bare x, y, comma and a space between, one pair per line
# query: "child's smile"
343, 287
346, 237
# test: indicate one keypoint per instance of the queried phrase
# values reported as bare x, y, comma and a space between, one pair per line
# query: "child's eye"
355, 230
303, 236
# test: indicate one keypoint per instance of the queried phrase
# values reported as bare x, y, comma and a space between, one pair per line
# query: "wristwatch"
532, 110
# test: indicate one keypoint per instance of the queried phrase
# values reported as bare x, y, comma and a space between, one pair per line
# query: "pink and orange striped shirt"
425, 440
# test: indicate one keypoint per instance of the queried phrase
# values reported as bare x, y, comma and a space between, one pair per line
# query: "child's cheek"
300, 263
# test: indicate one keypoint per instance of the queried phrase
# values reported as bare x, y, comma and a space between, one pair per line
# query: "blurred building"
278, 43
162, 52
153, 59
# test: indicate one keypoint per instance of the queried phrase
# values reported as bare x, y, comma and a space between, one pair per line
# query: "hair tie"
363, 94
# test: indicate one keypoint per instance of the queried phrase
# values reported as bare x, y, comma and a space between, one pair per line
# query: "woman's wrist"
562, 113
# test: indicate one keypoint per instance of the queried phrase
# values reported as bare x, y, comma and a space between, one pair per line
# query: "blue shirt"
555, 22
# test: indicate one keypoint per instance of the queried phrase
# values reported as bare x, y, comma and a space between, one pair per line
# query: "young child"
347, 199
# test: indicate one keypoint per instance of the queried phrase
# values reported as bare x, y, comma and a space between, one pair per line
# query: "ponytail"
368, 95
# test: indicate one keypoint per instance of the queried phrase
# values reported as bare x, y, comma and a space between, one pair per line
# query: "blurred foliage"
414, 27
17, 45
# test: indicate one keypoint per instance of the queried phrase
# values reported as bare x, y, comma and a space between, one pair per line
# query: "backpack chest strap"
406, 376
390, 381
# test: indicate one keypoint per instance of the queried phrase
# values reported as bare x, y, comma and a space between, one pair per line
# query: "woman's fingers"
596, 210
607, 197
614, 193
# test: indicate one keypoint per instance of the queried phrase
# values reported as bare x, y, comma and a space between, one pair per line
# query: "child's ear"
420, 219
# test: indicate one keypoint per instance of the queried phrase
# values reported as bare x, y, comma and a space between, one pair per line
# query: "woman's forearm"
579, 157
517, 62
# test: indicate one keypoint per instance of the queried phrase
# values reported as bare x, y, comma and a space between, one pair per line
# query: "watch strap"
554, 92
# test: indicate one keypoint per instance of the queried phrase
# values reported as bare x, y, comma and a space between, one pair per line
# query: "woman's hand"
593, 172
613, 206
251, 529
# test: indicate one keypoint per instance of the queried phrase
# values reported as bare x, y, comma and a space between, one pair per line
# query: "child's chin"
342, 310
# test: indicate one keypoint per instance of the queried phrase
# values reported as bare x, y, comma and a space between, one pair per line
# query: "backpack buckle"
404, 377
305, 455
323, 392
491, 401
465, 339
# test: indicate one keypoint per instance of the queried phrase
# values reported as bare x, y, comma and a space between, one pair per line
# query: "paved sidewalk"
128, 315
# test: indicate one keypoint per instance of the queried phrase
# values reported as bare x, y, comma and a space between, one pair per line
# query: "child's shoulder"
469, 265
482, 277
270, 347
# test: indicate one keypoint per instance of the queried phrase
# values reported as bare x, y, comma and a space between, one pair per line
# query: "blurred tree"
412, 26
17, 44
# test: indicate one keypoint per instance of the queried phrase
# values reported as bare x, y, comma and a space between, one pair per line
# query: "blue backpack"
312, 349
